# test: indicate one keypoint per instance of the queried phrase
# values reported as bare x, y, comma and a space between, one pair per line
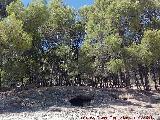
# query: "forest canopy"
112, 43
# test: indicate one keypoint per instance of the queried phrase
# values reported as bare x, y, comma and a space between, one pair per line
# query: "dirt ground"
53, 103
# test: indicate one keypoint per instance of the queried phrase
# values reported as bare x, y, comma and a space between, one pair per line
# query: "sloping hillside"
49, 103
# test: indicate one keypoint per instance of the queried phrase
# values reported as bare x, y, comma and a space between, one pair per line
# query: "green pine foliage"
49, 44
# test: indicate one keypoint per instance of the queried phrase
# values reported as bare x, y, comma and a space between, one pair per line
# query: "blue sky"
72, 3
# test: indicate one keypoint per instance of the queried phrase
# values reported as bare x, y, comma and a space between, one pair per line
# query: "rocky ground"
52, 104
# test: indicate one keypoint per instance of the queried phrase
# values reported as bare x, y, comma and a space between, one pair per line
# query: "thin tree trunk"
153, 72
1, 64
147, 87
141, 73
0, 80
136, 80
128, 84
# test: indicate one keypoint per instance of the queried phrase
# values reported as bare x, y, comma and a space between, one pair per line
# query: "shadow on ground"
43, 98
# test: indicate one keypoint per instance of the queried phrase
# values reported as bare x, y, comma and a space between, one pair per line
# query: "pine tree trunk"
147, 87
128, 85
122, 77
141, 73
0, 81
136, 80
146, 70
154, 76
1, 62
